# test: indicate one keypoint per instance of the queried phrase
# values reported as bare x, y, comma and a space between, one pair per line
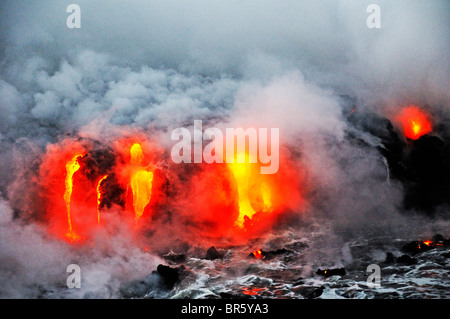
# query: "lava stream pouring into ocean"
141, 182
243, 174
101, 185
71, 167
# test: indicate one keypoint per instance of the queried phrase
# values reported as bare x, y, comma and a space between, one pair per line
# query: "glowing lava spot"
414, 122
257, 254
249, 291
141, 182
428, 242
99, 196
71, 167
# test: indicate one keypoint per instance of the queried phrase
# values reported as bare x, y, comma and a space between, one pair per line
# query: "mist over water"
148, 67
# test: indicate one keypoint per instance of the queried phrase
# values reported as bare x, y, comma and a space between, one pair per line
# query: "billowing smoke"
313, 69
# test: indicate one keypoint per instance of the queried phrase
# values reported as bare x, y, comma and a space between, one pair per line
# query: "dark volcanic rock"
415, 247
441, 240
438, 238
390, 259
169, 276
273, 253
164, 277
403, 259
407, 260
227, 295
429, 164
309, 292
422, 165
212, 254
299, 281
316, 293
331, 272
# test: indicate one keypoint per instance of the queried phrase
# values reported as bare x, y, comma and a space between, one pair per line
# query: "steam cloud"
156, 65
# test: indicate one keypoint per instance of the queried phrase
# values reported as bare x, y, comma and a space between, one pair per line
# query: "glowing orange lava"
428, 242
233, 201
414, 122
257, 254
249, 187
99, 196
266, 197
241, 172
252, 291
71, 167
141, 182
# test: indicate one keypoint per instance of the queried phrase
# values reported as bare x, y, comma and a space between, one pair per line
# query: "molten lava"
99, 196
71, 167
233, 201
414, 122
141, 182
430, 244
249, 291
258, 254
253, 191
266, 197
241, 172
